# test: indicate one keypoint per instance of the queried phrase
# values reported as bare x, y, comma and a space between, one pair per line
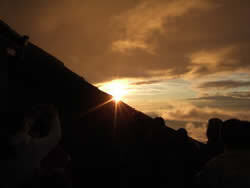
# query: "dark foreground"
109, 145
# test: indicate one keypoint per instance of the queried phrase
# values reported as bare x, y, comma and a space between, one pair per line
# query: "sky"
184, 60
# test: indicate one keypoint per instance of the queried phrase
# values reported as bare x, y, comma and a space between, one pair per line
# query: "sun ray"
97, 107
115, 118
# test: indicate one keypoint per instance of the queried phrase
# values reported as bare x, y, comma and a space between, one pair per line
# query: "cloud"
225, 102
218, 98
194, 117
195, 129
141, 24
191, 43
148, 39
207, 62
240, 94
224, 84
152, 114
123, 45
151, 40
147, 82
198, 133
193, 112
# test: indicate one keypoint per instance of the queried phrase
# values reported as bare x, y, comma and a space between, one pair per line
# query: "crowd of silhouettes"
224, 161
229, 150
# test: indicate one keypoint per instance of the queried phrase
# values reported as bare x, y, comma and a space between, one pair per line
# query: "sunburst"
117, 88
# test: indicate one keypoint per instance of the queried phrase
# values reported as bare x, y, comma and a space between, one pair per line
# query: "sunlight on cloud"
212, 57
190, 112
129, 87
139, 25
195, 132
124, 45
194, 118
209, 62
117, 88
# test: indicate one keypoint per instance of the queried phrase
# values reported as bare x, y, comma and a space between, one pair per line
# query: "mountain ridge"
106, 141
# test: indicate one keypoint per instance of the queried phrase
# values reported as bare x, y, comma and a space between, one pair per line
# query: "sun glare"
116, 88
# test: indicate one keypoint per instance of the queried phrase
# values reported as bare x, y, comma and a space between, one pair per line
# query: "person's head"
236, 134
159, 121
214, 130
158, 124
182, 132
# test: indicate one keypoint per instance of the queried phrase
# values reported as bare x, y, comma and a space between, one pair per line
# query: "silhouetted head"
23, 41
182, 132
214, 130
236, 134
158, 125
159, 121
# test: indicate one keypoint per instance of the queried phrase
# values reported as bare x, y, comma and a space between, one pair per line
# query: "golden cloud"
149, 39
210, 61
189, 112
198, 133
138, 25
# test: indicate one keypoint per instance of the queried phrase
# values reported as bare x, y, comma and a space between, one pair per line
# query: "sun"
116, 88
117, 93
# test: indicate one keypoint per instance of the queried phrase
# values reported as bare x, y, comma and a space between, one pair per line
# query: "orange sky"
186, 61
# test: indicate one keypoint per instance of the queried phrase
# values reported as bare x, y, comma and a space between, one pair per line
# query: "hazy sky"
184, 60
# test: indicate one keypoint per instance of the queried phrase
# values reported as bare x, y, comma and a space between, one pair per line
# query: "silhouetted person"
158, 125
232, 168
214, 144
182, 133
190, 150
167, 170
214, 131
159, 121
20, 169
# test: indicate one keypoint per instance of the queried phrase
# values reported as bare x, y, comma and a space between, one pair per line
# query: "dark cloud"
223, 102
240, 94
224, 84
147, 82
216, 98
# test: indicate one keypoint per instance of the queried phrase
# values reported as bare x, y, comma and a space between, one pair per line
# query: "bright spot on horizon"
117, 88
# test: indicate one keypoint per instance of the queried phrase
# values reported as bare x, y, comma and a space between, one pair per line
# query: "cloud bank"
138, 39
